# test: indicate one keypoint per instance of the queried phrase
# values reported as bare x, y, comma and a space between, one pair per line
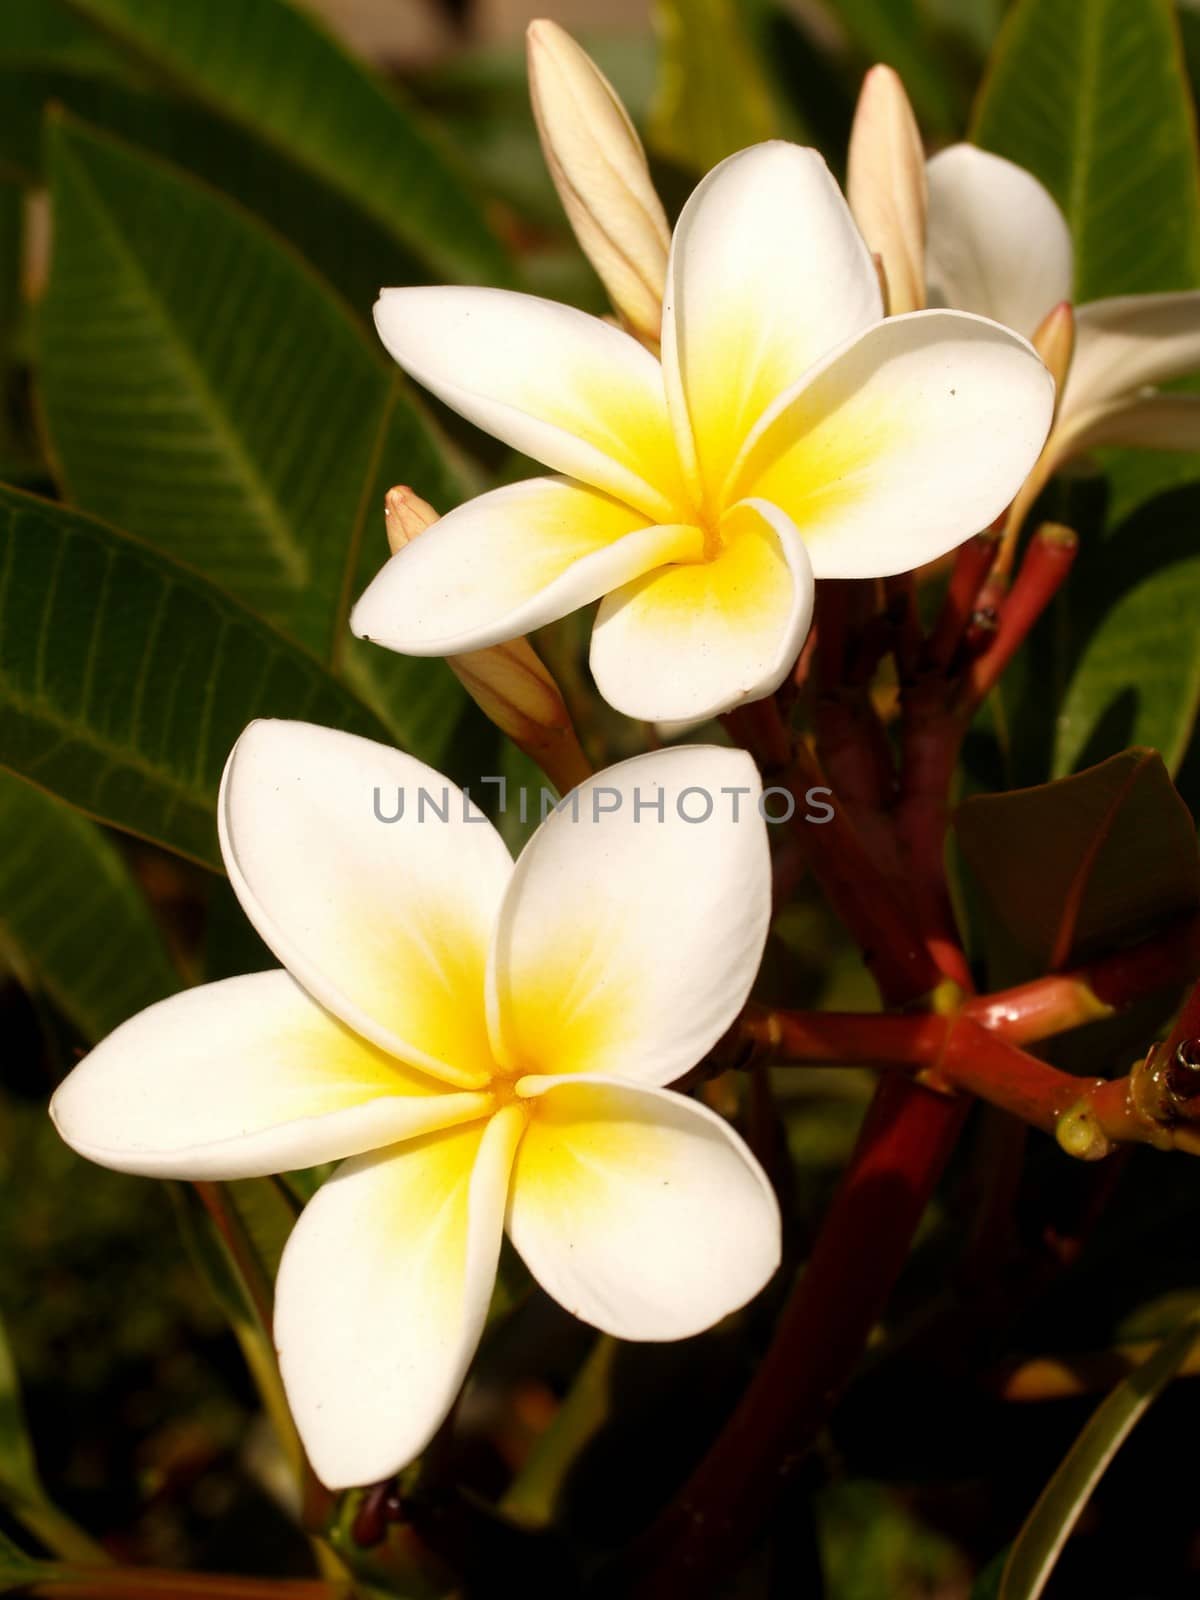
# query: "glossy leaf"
72, 921
1133, 637
353, 251
1039, 1544
1076, 866
125, 679
1091, 97
235, 417
271, 68
713, 94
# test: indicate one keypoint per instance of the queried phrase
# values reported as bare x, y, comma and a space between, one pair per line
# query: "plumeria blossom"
995, 243
788, 432
480, 1045
999, 245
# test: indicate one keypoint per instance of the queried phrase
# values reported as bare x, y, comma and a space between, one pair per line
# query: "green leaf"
18, 1470
898, 32
72, 922
271, 68
235, 417
1039, 1543
45, 32
1135, 659
126, 679
1073, 867
350, 249
21, 1486
713, 95
1091, 97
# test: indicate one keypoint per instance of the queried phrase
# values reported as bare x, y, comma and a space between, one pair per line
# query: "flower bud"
507, 682
1054, 341
599, 169
885, 184
405, 515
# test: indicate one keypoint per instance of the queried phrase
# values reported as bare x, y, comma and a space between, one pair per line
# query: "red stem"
972, 563
904, 1144
1043, 572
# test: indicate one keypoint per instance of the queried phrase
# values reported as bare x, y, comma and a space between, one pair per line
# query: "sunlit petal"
387, 923
641, 1212
241, 1078
630, 936
908, 442
510, 562
689, 641
571, 391
767, 274
382, 1294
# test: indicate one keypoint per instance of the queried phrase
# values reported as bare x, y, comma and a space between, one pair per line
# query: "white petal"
385, 923
382, 1294
563, 387
908, 442
767, 274
507, 563
638, 1210
687, 642
1131, 341
627, 944
1145, 422
241, 1078
997, 244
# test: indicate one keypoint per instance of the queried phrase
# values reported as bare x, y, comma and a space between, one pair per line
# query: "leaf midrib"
294, 561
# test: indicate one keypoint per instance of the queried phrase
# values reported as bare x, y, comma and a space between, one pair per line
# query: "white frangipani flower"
789, 431
998, 245
481, 1045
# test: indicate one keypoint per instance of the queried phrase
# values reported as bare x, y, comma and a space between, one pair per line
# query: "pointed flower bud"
599, 169
1054, 341
405, 516
886, 185
506, 681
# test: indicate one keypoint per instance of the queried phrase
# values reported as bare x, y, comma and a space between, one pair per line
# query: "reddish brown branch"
863, 1244
972, 563
1043, 572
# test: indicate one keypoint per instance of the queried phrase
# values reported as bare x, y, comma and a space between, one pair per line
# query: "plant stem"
1044, 570
863, 1243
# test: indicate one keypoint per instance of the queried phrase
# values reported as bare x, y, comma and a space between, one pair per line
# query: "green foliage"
72, 922
713, 93
236, 418
127, 679
1134, 675
902, 33
268, 67
1078, 864
1037, 1547
1091, 97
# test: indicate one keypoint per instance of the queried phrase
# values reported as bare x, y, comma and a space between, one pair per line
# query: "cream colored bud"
508, 682
1054, 341
886, 187
405, 515
599, 169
